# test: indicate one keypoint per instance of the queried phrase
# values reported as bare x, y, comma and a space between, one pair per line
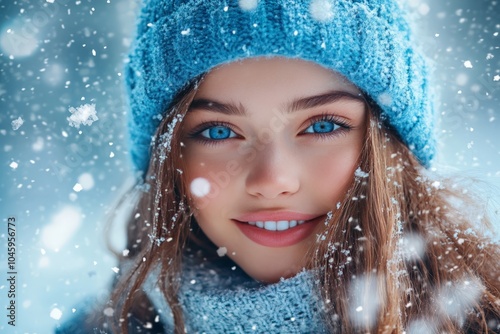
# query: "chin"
274, 276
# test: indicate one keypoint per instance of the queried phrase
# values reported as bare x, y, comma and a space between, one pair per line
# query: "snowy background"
61, 62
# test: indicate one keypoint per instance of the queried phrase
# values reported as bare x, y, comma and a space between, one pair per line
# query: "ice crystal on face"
84, 114
222, 251
321, 10
200, 187
16, 124
13, 165
115, 269
248, 5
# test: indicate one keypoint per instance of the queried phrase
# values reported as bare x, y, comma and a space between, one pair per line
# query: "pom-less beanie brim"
368, 42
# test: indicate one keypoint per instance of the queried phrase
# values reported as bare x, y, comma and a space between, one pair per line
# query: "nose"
273, 173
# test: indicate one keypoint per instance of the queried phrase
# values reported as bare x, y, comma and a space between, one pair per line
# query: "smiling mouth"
278, 233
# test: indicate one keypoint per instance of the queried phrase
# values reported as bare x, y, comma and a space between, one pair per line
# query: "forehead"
275, 75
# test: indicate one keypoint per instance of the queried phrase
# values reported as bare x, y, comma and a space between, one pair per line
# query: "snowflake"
16, 124
321, 10
84, 114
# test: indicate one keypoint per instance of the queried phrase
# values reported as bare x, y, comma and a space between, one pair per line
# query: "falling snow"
108, 311
200, 187
248, 5
364, 301
321, 10
385, 99
82, 115
17, 123
63, 102
56, 313
221, 251
62, 227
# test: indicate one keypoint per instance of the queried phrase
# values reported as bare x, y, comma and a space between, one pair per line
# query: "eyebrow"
295, 105
323, 99
223, 108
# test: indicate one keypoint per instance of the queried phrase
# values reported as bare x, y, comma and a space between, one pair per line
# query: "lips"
277, 229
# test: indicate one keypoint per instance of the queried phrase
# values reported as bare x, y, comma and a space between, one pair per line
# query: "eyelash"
196, 132
342, 123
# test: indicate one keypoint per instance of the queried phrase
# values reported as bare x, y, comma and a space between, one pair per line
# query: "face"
269, 146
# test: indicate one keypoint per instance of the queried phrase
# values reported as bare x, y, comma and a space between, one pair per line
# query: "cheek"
332, 174
208, 177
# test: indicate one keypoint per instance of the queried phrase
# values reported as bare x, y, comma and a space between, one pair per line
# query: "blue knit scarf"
223, 299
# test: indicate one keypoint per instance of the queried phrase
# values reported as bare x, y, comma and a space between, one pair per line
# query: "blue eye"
322, 126
218, 132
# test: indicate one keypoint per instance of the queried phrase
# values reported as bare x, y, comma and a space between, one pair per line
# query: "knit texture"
367, 41
221, 299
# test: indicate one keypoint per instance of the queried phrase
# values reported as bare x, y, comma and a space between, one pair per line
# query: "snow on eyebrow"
82, 115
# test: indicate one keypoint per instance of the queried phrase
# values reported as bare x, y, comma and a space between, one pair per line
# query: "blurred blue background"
59, 181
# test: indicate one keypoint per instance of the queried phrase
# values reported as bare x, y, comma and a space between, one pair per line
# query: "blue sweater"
221, 298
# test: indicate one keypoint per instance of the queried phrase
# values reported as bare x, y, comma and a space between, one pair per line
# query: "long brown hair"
390, 203
393, 203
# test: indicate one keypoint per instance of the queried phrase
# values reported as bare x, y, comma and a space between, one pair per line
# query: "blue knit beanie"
367, 41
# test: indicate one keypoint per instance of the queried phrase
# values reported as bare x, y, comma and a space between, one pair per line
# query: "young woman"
285, 147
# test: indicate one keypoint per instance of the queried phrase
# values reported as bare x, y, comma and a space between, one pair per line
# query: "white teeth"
280, 225
270, 225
